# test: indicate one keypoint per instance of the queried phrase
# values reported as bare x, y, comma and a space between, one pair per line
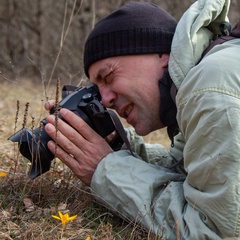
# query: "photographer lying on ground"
134, 55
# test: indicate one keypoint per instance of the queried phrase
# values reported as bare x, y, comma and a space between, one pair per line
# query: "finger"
81, 166
63, 155
110, 137
65, 142
71, 162
74, 143
85, 175
80, 125
49, 104
65, 129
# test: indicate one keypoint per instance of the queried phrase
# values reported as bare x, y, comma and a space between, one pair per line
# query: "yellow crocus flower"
64, 218
3, 174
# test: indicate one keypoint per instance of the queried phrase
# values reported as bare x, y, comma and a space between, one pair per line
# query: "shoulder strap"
227, 35
218, 41
236, 30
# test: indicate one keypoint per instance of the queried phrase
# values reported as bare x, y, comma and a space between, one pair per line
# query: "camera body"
86, 103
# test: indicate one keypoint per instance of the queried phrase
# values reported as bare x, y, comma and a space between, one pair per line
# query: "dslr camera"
83, 101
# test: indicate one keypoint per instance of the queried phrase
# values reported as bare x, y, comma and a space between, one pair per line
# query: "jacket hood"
195, 30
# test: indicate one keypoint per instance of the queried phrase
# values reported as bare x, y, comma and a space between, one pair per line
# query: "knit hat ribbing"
135, 28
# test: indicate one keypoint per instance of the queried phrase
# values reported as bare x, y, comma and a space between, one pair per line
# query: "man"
135, 55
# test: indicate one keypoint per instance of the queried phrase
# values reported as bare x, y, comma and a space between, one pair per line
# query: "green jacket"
206, 203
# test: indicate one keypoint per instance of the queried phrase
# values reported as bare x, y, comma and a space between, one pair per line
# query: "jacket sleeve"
131, 188
155, 153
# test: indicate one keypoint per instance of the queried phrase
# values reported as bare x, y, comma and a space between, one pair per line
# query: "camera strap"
100, 110
120, 129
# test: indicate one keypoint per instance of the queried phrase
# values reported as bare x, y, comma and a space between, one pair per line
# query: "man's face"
129, 84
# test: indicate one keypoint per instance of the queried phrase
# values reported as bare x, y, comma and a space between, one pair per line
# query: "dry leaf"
6, 214
62, 207
29, 205
57, 183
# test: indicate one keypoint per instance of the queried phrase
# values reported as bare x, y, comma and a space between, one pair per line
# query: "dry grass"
27, 205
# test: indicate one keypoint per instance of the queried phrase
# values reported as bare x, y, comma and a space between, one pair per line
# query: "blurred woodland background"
44, 39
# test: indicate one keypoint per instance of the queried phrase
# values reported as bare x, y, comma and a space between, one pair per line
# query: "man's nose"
108, 96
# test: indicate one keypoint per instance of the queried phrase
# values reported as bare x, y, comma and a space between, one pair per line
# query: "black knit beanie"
135, 28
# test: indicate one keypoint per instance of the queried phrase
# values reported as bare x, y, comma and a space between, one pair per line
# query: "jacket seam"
236, 231
213, 89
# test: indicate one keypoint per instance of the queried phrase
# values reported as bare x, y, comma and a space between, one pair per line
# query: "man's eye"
108, 78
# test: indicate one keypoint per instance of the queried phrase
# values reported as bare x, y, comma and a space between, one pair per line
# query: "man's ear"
164, 59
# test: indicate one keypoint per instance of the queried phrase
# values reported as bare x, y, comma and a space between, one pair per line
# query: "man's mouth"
128, 110
125, 111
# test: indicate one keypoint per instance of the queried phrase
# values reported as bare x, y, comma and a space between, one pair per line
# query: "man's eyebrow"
101, 73
99, 76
